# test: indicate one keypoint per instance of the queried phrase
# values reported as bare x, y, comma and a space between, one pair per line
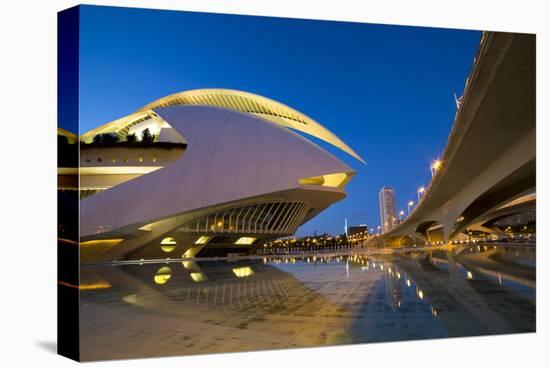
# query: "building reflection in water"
163, 275
306, 301
393, 286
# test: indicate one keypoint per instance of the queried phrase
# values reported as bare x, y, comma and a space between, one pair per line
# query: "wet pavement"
183, 308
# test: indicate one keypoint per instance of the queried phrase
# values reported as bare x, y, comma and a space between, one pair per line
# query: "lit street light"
378, 230
411, 203
436, 166
401, 213
420, 190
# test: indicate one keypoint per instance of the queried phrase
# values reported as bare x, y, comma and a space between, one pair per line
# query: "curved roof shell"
253, 104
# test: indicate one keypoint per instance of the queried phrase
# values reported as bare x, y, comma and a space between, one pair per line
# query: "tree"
109, 138
146, 136
106, 138
62, 140
131, 138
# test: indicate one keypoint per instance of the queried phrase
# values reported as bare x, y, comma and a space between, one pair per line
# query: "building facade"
358, 230
221, 172
388, 213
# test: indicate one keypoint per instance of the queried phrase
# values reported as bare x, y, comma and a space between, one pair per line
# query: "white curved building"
225, 173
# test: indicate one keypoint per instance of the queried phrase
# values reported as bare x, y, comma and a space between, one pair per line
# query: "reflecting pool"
182, 308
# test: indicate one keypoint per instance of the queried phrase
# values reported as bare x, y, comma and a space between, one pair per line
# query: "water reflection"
163, 275
266, 303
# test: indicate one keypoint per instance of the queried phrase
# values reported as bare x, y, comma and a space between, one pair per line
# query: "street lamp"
401, 213
378, 230
420, 190
410, 203
436, 166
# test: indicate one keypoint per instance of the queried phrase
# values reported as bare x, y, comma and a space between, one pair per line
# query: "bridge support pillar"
448, 224
453, 268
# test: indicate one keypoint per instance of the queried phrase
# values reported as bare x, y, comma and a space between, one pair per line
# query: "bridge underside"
490, 159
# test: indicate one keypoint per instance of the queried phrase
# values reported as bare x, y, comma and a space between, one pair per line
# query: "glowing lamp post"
401, 213
436, 166
420, 190
410, 203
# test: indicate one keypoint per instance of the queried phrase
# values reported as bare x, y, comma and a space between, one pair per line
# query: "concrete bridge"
489, 159
524, 204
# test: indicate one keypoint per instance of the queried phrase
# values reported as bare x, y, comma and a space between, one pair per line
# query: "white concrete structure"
490, 157
242, 179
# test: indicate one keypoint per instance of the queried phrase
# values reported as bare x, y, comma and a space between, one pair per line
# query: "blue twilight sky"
387, 91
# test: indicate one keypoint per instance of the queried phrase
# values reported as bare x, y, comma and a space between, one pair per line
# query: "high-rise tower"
388, 214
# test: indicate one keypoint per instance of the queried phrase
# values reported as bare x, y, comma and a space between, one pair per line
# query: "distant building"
361, 229
520, 219
388, 214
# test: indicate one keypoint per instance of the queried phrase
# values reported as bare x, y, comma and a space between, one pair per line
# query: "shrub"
146, 136
62, 140
108, 138
131, 138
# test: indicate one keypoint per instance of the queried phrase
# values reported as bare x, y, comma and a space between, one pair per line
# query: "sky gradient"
387, 91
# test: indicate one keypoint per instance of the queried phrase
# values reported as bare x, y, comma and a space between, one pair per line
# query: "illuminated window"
163, 275
188, 253
317, 180
104, 242
168, 244
187, 264
245, 241
197, 277
147, 227
243, 272
202, 240
332, 180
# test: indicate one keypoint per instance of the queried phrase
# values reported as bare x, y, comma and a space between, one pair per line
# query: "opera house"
204, 173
